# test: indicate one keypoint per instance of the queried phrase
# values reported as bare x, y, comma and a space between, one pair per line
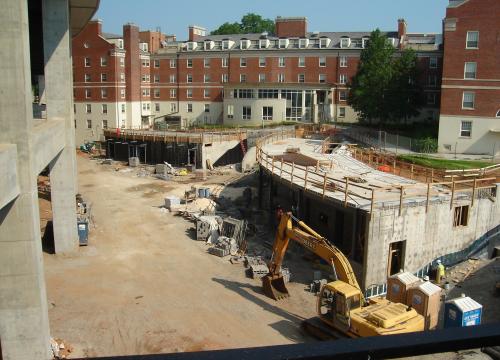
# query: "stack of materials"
172, 202
162, 171
207, 228
133, 162
257, 267
224, 246
235, 229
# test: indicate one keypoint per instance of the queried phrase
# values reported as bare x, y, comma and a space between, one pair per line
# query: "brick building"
131, 80
470, 107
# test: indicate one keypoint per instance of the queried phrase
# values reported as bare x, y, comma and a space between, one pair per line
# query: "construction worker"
440, 273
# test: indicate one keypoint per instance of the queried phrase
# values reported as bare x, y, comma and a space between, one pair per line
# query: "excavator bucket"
274, 287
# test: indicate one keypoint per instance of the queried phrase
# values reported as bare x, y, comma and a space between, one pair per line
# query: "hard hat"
439, 261
426, 278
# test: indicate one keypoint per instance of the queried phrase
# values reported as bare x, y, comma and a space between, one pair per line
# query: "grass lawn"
444, 163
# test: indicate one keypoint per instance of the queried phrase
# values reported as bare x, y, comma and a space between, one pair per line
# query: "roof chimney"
196, 32
291, 26
401, 32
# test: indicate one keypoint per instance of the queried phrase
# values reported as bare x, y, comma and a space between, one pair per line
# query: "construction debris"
60, 349
207, 228
224, 246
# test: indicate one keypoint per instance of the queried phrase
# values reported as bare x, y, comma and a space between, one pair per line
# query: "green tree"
405, 94
250, 24
385, 86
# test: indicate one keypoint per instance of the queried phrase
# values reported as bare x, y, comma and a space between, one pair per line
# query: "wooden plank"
401, 200
427, 199
473, 193
452, 194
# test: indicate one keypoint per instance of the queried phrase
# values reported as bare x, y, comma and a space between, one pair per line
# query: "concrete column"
315, 108
59, 100
24, 324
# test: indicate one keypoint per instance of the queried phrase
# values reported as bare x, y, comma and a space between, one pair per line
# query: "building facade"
133, 80
470, 107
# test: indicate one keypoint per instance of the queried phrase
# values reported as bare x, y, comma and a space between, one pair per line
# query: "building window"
243, 62
206, 93
247, 112
206, 62
301, 78
225, 78
156, 78
262, 77
88, 93
104, 93
207, 108
189, 93
173, 107
189, 63
303, 43
230, 111
105, 124
342, 95
122, 77
89, 124
74, 108
466, 128
281, 62
122, 93
156, 63
322, 61
88, 108
343, 79
146, 92
173, 63
343, 61
104, 61
123, 108
243, 78
244, 44
104, 77
461, 216
281, 77
157, 107
262, 62
156, 93
189, 108
267, 113
432, 80
87, 62
364, 42
470, 70
189, 78
145, 78
225, 61
145, 62
302, 61
433, 63
282, 43
342, 112
267, 94
431, 98
322, 78
323, 43
172, 78
206, 78
472, 39
468, 100
122, 61
104, 108
120, 43
173, 93
345, 42
225, 44
87, 78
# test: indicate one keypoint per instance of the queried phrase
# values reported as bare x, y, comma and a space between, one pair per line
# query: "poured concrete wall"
428, 236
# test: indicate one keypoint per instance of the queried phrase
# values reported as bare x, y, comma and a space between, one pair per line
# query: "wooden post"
281, 168
305, 178
291, 177
473, 192
411, 172
324, 184
346, 190
427, 200
401, 201
452, 191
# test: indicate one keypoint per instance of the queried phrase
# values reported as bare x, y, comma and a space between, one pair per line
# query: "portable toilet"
83, 232
462, 311
398, 286
426, 300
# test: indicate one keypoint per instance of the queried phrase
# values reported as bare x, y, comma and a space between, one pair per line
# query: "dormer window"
208, 45
225, 44
324, 42
244, 44
143, 47
120, 44
392, 41
283, 43
303, 43
263, 43
191, 45
345, 43
364, 42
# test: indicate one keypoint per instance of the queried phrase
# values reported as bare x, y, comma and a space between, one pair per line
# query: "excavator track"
320, 330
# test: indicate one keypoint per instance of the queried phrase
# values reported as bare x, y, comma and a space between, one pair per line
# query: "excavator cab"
335, 302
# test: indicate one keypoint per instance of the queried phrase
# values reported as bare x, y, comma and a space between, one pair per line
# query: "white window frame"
224, 62
462, 129
433, 62
265, 115
206, 93
189, 78
345, 95
122, 77
89, 123
248, 111
87, 62
189, 107
189, 63
467, 40
122, 61
230, 111
88, 78
156, 93
323, 43
345, 42
342, 79
104, 93
206, 108
104, 77
283, 43
173, 63
322, 61
281, 62
342, 114
303, 43
243, 78
189, 93
225, 45
343, 61
475, 71
225, 78
206, 63
302, 61
104, 61
156, 78
104, 108
243, 62
473, 95
281, 77
173, 107
104, 124
301, 77
262, 77
173, 93
262, 61
88, 108
322, 78
156, 63
88, 93
122, 93
206, 78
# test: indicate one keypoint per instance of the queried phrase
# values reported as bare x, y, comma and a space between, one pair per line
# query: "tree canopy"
385, 87
250, 24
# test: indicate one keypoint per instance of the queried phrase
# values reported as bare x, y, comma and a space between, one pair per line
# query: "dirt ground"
143, 285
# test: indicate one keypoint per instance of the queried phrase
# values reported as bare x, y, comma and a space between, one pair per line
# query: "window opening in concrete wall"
191, 156
396, 257
461, 217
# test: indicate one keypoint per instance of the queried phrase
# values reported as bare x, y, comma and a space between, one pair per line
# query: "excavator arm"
273, 283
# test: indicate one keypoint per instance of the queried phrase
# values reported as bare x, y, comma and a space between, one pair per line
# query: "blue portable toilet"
83, 232
461, 312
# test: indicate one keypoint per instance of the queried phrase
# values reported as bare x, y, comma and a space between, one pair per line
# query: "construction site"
290, 242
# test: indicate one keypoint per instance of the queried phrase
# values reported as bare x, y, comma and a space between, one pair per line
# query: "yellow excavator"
341, 307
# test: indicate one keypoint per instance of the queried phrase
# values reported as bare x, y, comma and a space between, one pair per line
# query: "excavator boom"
273, 283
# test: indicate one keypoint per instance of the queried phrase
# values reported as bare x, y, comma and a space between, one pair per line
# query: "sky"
173, 17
